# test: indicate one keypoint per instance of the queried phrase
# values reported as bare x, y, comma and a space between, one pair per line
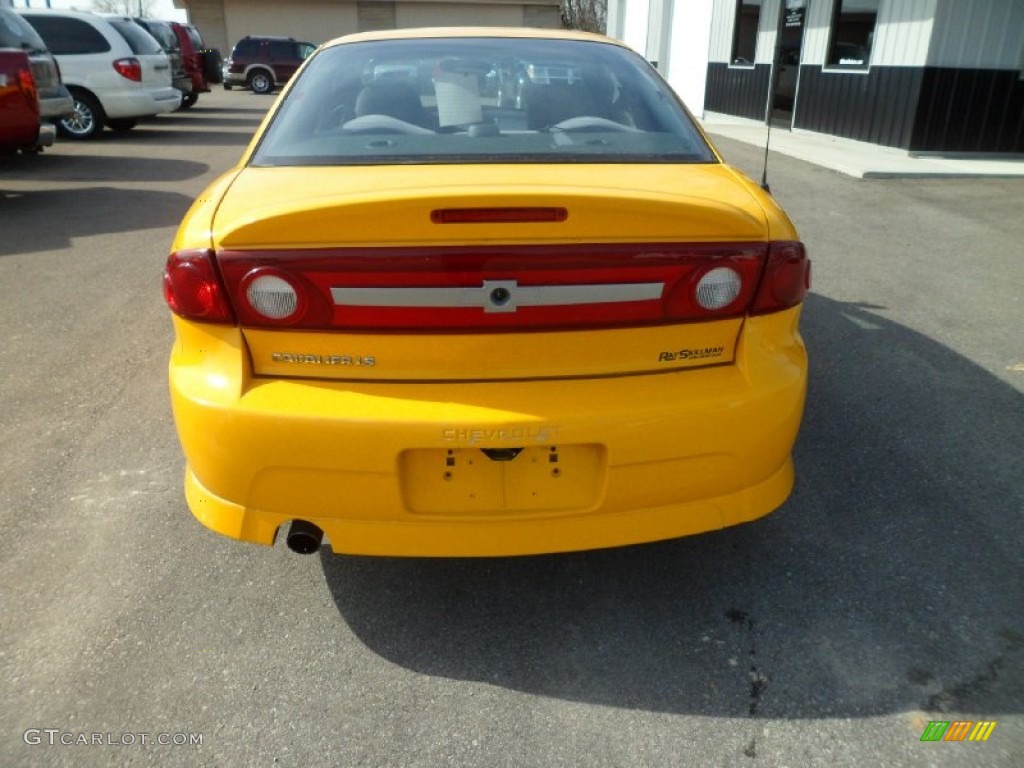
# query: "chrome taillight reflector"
271, 296
718, 288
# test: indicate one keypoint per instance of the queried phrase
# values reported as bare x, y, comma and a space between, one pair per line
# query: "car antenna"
772, 80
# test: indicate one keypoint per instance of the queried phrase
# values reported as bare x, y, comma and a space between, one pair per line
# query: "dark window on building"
853, 31
68, 36
744, 33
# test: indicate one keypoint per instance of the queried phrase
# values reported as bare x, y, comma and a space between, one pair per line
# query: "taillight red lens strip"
553, 287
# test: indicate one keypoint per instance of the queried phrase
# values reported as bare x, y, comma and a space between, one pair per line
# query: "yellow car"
443, 308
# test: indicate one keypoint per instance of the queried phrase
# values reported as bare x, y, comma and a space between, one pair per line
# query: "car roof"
84, 15
504, 32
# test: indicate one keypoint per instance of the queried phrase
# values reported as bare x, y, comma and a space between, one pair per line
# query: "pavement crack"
758, 679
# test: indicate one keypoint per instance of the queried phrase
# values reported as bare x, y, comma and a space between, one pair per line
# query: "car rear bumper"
140, 103
60, 104
47, 135
397, 468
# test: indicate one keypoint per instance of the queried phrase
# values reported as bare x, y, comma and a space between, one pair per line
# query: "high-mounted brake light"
192, 288
498, 215
129, 68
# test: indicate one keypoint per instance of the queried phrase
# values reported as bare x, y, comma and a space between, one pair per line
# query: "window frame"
829, 65
734, 59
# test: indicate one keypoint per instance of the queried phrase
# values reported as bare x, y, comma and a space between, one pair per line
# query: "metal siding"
740, 91
410, 15
970, 110
816, 31
723, 22
311, 20
875, 106
722, 19
978, 34
768, 28
903, 33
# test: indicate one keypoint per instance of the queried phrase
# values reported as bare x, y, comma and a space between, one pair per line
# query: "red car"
201, 64
20, 127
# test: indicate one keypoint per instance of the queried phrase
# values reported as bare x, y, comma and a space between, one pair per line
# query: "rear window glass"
480, 100
163, 34
245, 48
193, 36
138, 39
15, 32
68, 36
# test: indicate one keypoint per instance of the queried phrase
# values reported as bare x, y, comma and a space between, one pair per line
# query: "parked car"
263, 63
411, 321
54, 98
115, 70
180, 79
202, 64
20, 124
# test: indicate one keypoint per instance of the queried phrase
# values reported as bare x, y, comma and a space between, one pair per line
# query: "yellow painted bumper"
396, 468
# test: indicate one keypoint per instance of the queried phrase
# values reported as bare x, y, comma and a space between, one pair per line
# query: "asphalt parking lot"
885, 594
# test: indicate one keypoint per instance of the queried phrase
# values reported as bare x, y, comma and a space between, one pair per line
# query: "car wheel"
87, 121
261, 82
188, 99
122, 123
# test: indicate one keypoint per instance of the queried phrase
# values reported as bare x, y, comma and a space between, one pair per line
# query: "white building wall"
723, 22
689, 41
902, 34
959, 24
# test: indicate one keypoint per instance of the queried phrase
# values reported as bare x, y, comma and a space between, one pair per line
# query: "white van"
116, 71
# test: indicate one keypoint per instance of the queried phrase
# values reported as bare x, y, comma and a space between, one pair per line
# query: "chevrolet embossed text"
343, 360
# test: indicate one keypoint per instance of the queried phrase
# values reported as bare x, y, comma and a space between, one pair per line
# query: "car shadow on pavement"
152, 133
87, 211
890, 581
100, 167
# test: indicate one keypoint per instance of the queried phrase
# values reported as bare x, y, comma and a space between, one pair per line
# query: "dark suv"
264, 63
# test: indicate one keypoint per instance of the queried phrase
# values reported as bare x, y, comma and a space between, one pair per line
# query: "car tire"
188, 100
87, 121
122, 124
260, 81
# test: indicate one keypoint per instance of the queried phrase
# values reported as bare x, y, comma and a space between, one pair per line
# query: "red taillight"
27, 86
192, 288
129, 68
510, 288
786, 280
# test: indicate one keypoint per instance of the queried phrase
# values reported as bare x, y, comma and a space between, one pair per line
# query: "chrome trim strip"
498, 295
